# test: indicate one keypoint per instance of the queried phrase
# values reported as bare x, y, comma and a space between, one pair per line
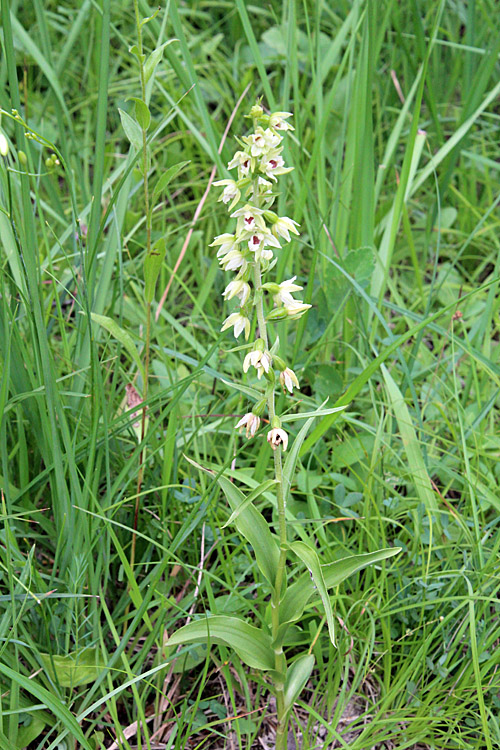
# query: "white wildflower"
284, 295
272, 164
237, 288
296, 309
227, 242
249, 218
4, 145
288, 380
234, 261
283, 227
251, 422
277, 121
261, 360
239, 322
231, 192
241, 160
276, 437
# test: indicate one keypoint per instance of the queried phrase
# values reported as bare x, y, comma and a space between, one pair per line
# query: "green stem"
279, 657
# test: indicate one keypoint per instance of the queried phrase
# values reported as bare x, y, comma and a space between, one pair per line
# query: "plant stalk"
279, 657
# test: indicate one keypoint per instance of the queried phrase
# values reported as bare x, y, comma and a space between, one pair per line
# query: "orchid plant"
250, 252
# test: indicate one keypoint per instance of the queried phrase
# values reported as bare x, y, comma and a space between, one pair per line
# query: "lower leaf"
252, 645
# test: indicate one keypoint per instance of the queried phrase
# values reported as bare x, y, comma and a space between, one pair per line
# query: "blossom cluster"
249, 252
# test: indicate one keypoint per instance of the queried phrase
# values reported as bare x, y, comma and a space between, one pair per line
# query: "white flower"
259, 240
261, 360
257, 142
237, 288
288, 380
283, 227
249, 218
251, 422
4, 145
284, 296
241, 160
267, 255
272, 164
227, 242
276, 437
240, 323
233, 261
231, 192
296, 309
277, 121
273, 140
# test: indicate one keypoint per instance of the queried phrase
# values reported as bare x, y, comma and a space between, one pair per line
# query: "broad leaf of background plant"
74, 669
359, 264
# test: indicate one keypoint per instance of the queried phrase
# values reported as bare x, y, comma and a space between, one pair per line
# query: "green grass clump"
396, 186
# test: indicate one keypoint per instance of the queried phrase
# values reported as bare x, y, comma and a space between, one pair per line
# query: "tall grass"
396, 186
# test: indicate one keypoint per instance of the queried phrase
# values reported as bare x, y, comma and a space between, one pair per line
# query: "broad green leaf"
30, 727
152, 268
132, 129
297, 676
250, 498
74, 669
336, 572
309, 414
167, 177
310, 558
299, 593
134, 50
142, 113
252, 645
120, 335
418, 471
292, 458
252, 525
154, 59
246, 389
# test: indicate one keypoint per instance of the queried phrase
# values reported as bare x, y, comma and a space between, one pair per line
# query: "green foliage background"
396, 186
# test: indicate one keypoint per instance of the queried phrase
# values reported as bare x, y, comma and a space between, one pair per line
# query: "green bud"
260, 345
271, 217
275, 423
279, 313
260, 407
256, 111
49, 163
270, 377
22, 157
280, 363
272, 287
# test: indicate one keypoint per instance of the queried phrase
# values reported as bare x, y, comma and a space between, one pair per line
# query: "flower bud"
275, 422
260, 407
280, 363
279, 313
256, 111
22, 157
